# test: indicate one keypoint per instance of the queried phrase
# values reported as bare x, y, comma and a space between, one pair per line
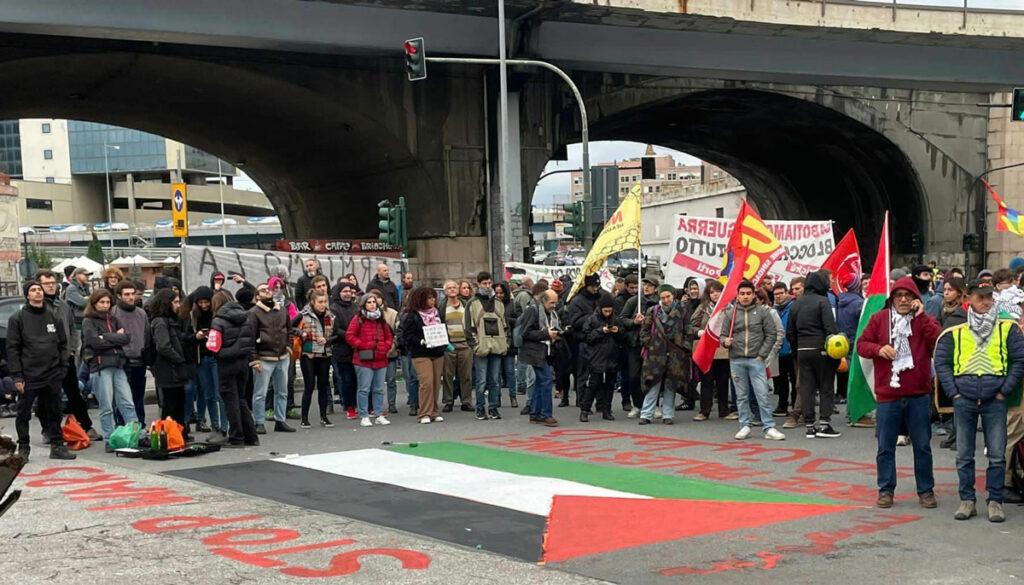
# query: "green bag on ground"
125, 436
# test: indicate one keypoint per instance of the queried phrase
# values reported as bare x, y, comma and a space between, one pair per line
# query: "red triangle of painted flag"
581, 525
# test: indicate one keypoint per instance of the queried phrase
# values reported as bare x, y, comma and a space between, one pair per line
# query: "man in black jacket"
344, 308
387, 286
305, 283
811, 322
36, 357
580, 308
540, 331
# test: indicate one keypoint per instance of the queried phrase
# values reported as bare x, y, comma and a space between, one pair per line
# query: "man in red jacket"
899, 341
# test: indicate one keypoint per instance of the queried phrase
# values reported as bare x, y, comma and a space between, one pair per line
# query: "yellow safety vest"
991, 360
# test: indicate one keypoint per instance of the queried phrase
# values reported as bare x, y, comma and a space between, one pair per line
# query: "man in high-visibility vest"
980, 365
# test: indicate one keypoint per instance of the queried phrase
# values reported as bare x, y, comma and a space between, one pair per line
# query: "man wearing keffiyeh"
899, 341
980, 365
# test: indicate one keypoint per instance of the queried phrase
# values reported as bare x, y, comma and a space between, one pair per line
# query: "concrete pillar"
1005, 147
505, 236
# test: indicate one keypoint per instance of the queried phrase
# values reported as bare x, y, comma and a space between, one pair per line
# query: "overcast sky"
556, 188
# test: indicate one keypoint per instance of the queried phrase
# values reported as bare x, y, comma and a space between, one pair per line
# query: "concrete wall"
1005, 147
439, 259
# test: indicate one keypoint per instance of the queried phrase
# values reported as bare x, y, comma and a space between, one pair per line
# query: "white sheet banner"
549, 273
700, 242
198, 263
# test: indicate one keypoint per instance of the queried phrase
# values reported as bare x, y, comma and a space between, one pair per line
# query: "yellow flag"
622, 232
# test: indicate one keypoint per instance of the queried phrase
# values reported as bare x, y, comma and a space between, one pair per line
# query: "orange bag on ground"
175, 438
74, 435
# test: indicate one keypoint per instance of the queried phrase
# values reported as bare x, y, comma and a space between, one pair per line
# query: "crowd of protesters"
225, 364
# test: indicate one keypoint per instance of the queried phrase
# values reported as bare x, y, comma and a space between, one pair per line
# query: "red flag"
761, 245
844, 264
704, 352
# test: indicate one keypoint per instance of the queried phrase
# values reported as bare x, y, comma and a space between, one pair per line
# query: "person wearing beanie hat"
205, 390
923, 276
896, 274
36, 345
811, 322
665, 336
602, 337
580, 308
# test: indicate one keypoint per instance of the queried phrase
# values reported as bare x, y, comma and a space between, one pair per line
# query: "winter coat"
810, 318
171, 367
957, 317
102, 346
412, 337
236, 335
387, 288
580, 308
780, 336
136, 324
848, 313
364, 334
312, 326
77, 295
600, 350
752, 329
36, 346
537, 348
628, 314
924, 330
344, 312
302, 287
783, 312
983, 388
620, 301
273, 331
667, 348
67, 318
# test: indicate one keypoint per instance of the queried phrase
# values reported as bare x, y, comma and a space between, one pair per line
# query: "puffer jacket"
983, 388
600, 350
365, 334
752, 329
811, 319
102, 346
236, 335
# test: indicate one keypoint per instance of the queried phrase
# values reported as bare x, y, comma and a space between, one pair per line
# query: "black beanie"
244, 296
592, 280
202, 293
605, 300
28, 285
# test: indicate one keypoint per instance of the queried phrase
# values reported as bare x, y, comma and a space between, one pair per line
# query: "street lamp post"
110, 201
220, 183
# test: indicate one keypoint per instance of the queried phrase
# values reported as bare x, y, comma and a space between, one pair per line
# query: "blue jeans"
508, 369
370, 380
916, 414
110, 387
487, 377
540, 393
993, 424
390, 379
412, 383
750, 374
668, 402
208, 394
275, 371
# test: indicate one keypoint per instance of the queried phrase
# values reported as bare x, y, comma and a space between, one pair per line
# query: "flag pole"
639, 277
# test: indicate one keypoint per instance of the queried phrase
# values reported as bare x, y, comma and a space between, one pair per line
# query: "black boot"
607, 415
60, 451
24, 451
584, 416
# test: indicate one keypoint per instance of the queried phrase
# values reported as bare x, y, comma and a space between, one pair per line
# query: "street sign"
179, 210
360, 247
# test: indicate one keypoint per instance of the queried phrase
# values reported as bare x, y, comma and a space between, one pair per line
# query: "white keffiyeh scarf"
899, 335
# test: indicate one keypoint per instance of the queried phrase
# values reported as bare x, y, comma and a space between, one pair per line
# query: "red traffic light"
410, 48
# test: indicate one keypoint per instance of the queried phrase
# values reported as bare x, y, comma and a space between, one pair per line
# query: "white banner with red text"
520, 270
699, 245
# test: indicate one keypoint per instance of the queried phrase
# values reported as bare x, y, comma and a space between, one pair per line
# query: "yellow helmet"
837, 346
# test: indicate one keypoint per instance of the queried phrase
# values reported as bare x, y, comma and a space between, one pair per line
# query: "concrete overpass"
835, 113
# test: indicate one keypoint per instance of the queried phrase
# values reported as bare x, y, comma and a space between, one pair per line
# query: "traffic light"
574, 217
1017, 110
972, 242
916, 243
415, 59
392, 226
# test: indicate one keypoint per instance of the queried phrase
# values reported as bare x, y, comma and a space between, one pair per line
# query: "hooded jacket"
581, 307
752, 329
848, 312
924, 330
171, 365
237, 338
600, 350
344, 311
810, 318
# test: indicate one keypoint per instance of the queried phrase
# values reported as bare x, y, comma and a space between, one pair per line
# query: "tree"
40, 256
95, 251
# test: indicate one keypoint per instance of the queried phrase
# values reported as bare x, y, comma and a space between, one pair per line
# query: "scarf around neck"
899, 335
981, 324
430, 316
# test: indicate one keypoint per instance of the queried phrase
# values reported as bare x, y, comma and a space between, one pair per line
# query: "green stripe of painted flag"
860, 393
623, 479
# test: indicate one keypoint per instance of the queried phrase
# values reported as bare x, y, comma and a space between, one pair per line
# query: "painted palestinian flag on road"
533, 507
861, 390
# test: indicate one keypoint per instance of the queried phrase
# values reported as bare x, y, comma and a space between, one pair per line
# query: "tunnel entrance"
797, 159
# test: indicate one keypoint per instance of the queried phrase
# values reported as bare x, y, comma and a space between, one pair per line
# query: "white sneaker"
743, 434
382, 420
438, 419
425, 420
657, 413
902, 441
366, 422
633, 412
774, 434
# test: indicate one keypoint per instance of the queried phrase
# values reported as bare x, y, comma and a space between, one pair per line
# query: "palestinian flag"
860, 393
521, 505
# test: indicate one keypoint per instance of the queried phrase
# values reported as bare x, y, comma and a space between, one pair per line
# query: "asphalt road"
73, 523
